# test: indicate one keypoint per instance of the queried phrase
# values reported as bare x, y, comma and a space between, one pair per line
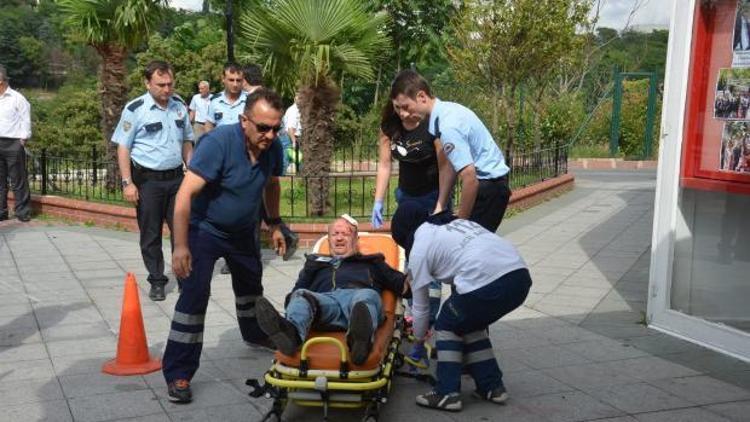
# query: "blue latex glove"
377, 215
418, 357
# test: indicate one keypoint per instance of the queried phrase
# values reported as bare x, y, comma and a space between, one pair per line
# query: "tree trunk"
317, 106
113, 92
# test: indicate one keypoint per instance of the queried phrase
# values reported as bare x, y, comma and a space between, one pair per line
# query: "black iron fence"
351, 184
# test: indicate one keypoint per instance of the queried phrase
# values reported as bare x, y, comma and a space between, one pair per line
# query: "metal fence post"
614, 128
94, 175
650, 115
44, 171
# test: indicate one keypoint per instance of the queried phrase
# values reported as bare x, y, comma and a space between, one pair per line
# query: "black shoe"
157, 293
24, 218
434, 400
225, 269
280, 331
292, 240
179, 391
359, 336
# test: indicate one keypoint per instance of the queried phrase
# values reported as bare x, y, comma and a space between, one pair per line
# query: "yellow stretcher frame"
326, 388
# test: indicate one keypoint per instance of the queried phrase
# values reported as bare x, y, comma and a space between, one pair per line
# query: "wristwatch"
125, 182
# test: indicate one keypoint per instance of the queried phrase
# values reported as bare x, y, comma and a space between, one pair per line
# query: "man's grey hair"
202, 83
3, 74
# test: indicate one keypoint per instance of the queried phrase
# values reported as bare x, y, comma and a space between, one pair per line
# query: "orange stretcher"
321, 373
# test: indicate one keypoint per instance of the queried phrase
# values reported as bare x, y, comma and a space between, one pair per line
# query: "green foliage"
306, 41
501, 45
125, 23
66, 123
196, 51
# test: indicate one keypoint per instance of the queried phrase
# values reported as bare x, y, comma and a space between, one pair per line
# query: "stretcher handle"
315, 340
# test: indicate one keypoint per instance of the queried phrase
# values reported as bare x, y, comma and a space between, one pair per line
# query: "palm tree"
112, 28
305, 46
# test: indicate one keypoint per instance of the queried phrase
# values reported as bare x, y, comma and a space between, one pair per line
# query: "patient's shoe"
281, 332
359, 336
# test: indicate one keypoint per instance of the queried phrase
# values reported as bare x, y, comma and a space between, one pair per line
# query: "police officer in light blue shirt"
154, 139
468, 145
226, 106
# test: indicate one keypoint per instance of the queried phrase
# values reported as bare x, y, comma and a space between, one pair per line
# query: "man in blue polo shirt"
234, 171
467, 144
226, 106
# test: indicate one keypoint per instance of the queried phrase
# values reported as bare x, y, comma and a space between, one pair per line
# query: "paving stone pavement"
577, 350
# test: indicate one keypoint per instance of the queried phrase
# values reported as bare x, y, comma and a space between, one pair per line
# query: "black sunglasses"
263, 128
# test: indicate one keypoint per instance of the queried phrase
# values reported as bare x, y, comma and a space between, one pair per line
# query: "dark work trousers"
156, 193
13, 166
182, 355
461, 332
492, 201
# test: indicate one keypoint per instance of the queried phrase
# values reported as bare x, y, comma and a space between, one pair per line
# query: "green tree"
308, 45
196, 51
504, 44
112, 28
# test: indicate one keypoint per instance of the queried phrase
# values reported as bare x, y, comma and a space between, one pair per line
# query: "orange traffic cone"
132, 351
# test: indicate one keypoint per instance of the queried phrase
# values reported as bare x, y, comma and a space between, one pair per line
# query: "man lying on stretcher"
340, 291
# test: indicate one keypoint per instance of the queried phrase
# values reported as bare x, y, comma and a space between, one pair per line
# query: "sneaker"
497, 395
179, 391
281, 332
434, 400
157, 293
292, 240
359, 336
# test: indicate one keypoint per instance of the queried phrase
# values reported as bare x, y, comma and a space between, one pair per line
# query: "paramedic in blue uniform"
226, 106
234, 171
154, 139
467, 144
489, 279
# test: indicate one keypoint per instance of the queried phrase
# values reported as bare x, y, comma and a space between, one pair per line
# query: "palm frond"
306, 40
123, 22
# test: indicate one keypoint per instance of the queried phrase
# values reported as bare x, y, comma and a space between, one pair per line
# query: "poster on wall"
741, 39
732, 99
735, 148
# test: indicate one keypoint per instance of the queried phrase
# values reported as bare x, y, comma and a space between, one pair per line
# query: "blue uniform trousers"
461, 332
428, 202
182, 355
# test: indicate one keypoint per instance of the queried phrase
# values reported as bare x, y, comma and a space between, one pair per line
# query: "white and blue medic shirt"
154, 135
466, 140
221, 112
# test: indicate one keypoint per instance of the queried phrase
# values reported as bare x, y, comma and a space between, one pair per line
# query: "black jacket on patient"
324, 273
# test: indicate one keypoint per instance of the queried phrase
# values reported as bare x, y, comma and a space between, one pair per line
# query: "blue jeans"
428, 202
331, 310
461, 332
286, 144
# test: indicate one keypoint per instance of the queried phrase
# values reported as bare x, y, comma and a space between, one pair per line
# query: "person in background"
199, 108
154, 140
227, 106
15, 131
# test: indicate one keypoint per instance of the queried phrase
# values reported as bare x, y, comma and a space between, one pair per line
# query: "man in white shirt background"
15, 130
199, 108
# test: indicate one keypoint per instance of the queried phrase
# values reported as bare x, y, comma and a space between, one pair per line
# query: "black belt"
151, 174
2, 138
496, 179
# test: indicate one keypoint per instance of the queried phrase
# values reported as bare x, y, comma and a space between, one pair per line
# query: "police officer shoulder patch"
126, 126
135, 104
178, 99
448, 148
215, 96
